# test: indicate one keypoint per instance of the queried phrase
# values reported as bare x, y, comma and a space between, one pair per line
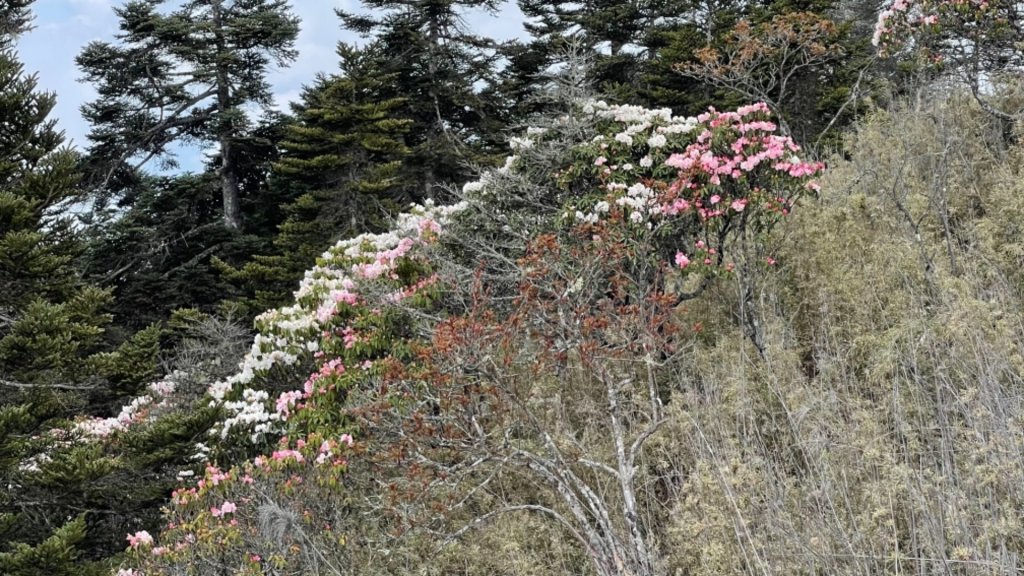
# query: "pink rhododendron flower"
140, 538
428, 224
286, 454
344, 296
286, 401
681, 260
739, 205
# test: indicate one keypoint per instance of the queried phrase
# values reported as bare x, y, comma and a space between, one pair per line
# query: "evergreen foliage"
184, 76
344, 154
164, 246
51, 323
443, 72
619, 36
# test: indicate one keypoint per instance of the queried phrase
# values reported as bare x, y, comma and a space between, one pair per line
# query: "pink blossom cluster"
226, 508
286, 454
902, 21
288, 400
755, 143
409, 291
720, 166
138, 410
332, 367
214, 506
140, 538
213, 477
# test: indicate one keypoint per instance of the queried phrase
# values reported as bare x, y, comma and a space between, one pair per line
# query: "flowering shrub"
980, 22
158, 399
688, 184
259, 516
661, 190
977, 40
330, 323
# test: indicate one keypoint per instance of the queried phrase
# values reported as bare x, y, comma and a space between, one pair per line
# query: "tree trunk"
229, 185
228, 167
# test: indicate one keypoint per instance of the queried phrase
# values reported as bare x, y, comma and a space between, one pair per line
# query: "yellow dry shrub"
882, 432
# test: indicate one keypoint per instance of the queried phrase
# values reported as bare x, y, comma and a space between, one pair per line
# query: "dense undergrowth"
834, 392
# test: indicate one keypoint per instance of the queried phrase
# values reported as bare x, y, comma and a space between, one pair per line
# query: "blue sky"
63, 27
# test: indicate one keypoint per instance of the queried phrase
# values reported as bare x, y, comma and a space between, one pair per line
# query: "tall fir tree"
344, 155
441, 70
184, 75
616, 36
51, 324
158, 252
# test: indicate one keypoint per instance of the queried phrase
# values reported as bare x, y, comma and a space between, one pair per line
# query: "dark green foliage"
65, 505
347, 144
156, 256
158, 253
49, 341
56, 556
49, 321
671, 46
183, 76
344, 153
128, 368
617, 36
442, 72
15, 17
36, 183
638, 48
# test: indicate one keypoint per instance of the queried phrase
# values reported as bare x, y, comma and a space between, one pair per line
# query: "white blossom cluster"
638, 128
142, 408
288, 334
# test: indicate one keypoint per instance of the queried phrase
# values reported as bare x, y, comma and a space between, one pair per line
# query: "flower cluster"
905, 23
346, 276
138, 539
690, 178
143, 408
219, 516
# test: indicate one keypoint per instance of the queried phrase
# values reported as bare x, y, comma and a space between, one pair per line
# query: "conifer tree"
159, 253
184, 76
344, 155
617, 35
49, 321
441, 70
66, 504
